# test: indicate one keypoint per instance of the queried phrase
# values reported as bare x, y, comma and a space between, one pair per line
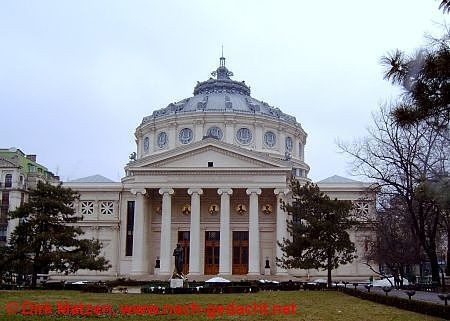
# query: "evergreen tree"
318, 229
425, 80
46, 238
445, 6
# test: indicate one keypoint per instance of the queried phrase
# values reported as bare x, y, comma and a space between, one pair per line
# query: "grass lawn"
310, 306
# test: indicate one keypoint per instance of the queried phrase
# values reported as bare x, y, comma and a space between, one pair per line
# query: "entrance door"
212, 250
183, 239
240, 252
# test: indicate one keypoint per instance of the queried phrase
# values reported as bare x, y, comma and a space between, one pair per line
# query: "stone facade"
209, 172
19, 173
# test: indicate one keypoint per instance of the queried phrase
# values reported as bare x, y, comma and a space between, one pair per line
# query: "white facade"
209, 172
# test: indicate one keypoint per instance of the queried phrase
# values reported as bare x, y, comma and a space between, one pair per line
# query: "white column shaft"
281, 232
254, 265
138, 261
194, 236
166, 235
225, 233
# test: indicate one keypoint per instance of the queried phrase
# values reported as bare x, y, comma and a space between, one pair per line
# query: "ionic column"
166, 235
194, 236
225, 242
281, 232
139, 264
254, 265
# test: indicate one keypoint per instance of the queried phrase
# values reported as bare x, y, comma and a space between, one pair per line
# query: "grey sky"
77, 77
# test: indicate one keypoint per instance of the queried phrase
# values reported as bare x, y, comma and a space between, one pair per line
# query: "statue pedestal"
176, 283
267, 271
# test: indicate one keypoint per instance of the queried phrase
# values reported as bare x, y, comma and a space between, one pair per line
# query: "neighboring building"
18, 174
209, 172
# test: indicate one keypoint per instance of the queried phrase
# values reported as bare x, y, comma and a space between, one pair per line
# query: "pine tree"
318, 229
425, 80
46, 238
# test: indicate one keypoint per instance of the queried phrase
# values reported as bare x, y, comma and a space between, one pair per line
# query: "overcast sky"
77, 77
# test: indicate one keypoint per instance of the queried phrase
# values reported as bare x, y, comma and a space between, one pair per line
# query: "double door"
212, 252
183, 239
240, 252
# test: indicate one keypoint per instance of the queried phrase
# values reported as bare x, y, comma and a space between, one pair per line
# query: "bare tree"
394, 245
402, 160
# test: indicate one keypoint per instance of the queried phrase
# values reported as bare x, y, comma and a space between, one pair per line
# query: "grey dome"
221, 94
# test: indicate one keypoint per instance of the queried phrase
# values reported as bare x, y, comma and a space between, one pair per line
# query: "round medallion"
185, 135
267, 209
289, 144
186, 209
215, 132
213, 209
146, 144
241, 209
270, 139
244, 136
162, 139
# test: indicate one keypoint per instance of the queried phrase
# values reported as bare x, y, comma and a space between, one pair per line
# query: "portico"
223, 226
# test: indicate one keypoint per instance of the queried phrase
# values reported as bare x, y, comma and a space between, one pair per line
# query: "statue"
178, 253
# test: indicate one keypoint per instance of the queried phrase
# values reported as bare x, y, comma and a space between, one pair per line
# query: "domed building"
209, 172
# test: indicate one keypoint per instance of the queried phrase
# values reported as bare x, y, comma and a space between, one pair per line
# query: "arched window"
8, 180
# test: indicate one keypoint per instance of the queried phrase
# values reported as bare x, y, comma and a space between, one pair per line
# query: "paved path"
419, 296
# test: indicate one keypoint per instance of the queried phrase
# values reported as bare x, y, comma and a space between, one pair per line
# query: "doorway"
183, 239
212, 252
240, 252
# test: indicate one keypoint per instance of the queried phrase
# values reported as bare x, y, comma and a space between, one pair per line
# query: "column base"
254, 273
226, 273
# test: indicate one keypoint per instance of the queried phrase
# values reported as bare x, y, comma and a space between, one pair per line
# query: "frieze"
208, 148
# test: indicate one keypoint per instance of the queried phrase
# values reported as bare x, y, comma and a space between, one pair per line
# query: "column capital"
198, 191
281, 191
225, 190
136, 191
169, 191
253, 191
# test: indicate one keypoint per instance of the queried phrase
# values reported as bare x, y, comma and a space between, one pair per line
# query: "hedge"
423, 307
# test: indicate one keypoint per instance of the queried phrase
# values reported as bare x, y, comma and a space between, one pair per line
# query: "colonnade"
139, 258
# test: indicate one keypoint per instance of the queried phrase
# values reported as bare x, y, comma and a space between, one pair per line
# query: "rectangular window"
8, 180
3, 229
107, 208
87, 207
130, 227
210, 164
4, 207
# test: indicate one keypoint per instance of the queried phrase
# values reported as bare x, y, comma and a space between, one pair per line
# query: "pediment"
5, 163
218, 154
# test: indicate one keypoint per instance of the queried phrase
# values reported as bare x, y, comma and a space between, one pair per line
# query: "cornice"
221, 116
180, 152
150, 171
